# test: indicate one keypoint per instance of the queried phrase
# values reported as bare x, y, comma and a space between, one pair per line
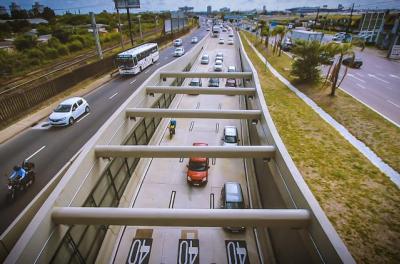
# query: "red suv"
197, 173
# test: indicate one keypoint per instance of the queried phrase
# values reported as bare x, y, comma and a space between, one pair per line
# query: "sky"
86, 6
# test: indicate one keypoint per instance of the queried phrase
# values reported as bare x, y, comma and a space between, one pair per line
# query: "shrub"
54, 43
308, 58
62, 50
35, 53
35, 61
86, 39
24, 42
50, 53
74, 45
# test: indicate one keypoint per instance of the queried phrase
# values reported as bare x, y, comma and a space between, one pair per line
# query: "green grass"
360, 201
366, 125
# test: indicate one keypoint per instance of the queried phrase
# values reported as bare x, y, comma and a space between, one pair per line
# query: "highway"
50, 148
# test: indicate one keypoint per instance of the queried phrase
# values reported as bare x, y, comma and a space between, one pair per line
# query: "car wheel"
87, 109
71, 121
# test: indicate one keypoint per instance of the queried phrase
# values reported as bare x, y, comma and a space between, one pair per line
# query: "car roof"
230, 130
71, 100
195, 80
233, 192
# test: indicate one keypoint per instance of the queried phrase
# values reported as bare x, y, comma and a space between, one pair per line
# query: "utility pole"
140, 28
96, 36
315, 20
351, 15
119, 26
130, 25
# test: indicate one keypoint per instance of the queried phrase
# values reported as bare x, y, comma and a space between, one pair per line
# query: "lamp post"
140, 28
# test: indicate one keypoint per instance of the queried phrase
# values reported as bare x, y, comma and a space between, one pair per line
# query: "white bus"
137, 59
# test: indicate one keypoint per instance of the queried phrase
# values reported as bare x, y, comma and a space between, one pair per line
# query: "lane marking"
157, 63
351, 75
375, 77
394, 76
359, 74
398, 106
146, 72
36, 152
134, 80
112, 96
172, 199
361, 86
212, 205
83, 117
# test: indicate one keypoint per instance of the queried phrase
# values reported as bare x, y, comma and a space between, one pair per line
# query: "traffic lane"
62, 143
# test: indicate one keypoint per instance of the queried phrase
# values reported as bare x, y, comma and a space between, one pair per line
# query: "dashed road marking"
36, 152
146, 72
83, 117
375, 77
157, 63
112, 96
351, 75
134, 80
394, 76
398, 106
359, 74
361, 86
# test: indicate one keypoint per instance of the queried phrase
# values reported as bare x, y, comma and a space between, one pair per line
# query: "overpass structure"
125, 198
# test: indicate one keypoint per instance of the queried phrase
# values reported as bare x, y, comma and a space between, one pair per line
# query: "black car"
213, 82
352, 63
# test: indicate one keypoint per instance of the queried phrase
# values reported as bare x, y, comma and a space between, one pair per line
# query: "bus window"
135, 60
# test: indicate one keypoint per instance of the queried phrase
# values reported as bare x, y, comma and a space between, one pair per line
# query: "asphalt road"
51, 148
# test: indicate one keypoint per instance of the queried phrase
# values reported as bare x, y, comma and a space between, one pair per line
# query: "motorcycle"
171, 131
16, 185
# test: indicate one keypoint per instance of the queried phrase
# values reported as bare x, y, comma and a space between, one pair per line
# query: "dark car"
213, 82
352, 62
232, 198
230, 82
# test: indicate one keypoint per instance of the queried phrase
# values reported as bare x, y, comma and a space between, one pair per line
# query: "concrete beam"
194, 113
173, 74
148, 151
199, 90
289, 218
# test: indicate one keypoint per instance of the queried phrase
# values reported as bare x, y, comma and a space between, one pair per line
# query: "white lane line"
157, 63
359, 74
351, 75
375, 77
83, 117
361, 86
398, 106
394, 76
134, 80
112, 96
36, 152
146, 72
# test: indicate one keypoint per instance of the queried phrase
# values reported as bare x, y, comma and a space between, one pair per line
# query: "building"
209, 10
38, 7
15, 7
264, 10
186, 9
3, 10
225, 10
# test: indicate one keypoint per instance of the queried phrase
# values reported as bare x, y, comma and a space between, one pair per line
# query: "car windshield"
230, 205
214, 80
205, 57
218, 62
62, 108
178, 49
197, 166
230, 139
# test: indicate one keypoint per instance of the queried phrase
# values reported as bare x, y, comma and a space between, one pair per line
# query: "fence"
18, 102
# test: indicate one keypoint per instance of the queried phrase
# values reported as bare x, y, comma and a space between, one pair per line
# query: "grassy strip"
376, 132
360, 201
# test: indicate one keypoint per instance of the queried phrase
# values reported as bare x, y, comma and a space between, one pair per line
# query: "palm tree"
260, 28
266, 32
282, 33
274, 34
342, 50
278, 31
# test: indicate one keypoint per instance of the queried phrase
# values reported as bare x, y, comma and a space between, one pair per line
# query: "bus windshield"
125, 62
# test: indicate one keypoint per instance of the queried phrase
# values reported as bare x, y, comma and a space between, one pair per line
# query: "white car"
218, 65
221, 41
230, 136
179, 52
178, 42
68, 111
220, 56
205, 59
230, 41
195, 40
230, 34
231, 69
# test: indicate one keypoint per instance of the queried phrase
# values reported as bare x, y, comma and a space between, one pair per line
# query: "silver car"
218, 65
205, 59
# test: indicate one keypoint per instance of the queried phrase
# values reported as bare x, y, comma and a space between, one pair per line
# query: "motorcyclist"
18, 173
172, 126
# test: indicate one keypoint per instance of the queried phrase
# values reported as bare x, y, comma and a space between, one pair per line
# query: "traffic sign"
140, 251
236, 252
188, 251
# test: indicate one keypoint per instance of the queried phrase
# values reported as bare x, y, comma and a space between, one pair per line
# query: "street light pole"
130, 26
140, 28
119, 26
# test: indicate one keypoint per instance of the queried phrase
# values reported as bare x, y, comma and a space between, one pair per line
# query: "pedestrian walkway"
359, 145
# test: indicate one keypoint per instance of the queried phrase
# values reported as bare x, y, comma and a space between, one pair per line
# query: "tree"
265, 33
48, 14
308, 58
343, 50
279, 32
19, 14
20, 25
260, 27
24, 42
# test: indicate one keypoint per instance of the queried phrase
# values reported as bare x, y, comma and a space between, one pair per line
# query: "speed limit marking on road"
140, 251
188, 251
236, 252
